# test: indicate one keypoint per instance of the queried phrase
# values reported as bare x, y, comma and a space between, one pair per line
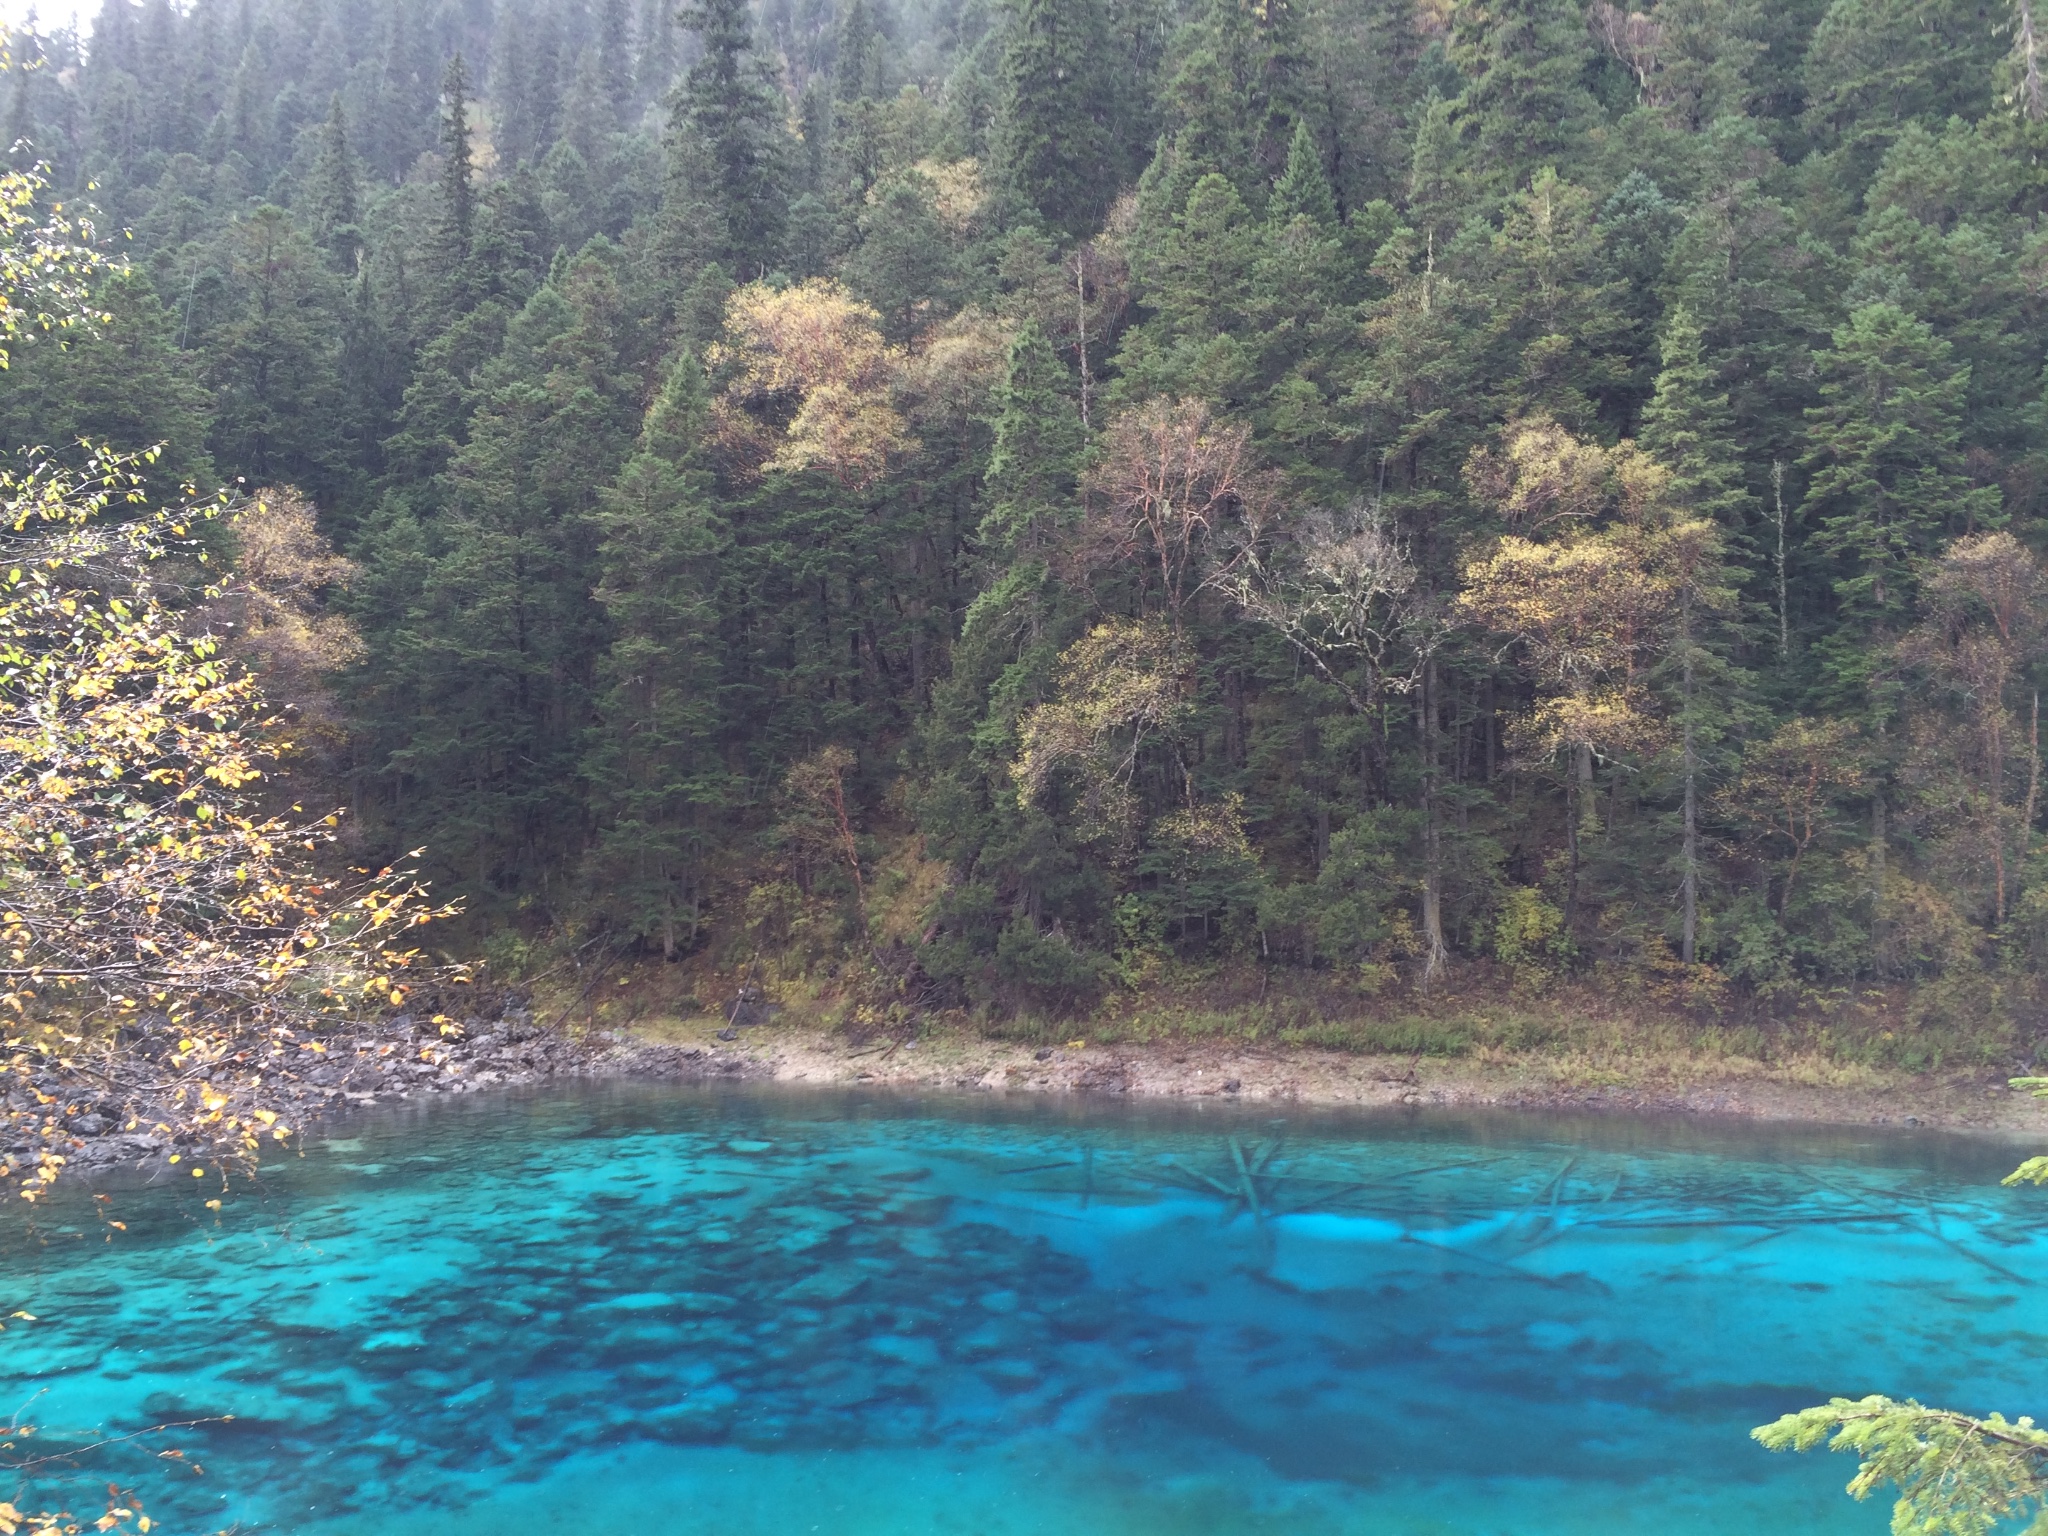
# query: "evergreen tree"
131, 387
587, 116
1875, 65
905, 264
492, 677
615, 62
1052, 136
332, 198
1688, 427
279, 414
1886, 462
857, 70
661, 790
655, 68
727, 196
1525, 103
458, 166
1201, 338
1303, 192
1037, 450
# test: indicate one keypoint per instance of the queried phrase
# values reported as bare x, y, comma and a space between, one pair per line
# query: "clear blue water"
745, 1312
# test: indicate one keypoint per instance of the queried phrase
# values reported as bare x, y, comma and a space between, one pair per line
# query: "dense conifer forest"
1088, 490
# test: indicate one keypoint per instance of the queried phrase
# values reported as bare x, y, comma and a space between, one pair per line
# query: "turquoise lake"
759, 1313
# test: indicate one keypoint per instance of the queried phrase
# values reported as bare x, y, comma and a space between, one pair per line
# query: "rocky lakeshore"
114, 1109
102, 1122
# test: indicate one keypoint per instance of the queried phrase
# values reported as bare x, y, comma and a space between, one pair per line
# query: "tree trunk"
1690, 880
1578, 809
1081, 325
2033, 787
1784, 624
1434, 953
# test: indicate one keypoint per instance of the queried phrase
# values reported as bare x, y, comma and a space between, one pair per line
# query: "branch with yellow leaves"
137, 880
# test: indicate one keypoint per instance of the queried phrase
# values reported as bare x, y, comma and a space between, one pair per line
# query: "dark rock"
1232, 1086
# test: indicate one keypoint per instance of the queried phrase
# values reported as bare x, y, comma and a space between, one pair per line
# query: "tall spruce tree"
662, 793
1036, 455
1886, 459
1303, 191
333, 198
1052, 133
454, 229
727, 197
1525, 102
1689, 428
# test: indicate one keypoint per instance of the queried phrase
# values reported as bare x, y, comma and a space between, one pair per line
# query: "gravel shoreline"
1178, 1068
402, 1059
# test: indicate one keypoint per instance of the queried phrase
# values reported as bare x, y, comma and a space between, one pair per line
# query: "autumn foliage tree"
141, 879
1179, 495
807, 382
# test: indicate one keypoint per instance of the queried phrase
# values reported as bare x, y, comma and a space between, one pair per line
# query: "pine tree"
655, 70
615, 58
458, 166
516, 131
586, 122
1739, 267
1524, 104
130, 386
1886, 461
332, 200
1032, 467
1688, 427
1303, 191
279, 413
726, 200
857, 67
455, 216
661, 789
814, 119
1052, 126
905, 264
494, 677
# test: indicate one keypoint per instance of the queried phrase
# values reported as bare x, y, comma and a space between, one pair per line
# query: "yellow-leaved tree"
1601, 578
142, 893
807, 382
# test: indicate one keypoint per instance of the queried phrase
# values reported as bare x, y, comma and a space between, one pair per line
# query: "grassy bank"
1487, 1036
